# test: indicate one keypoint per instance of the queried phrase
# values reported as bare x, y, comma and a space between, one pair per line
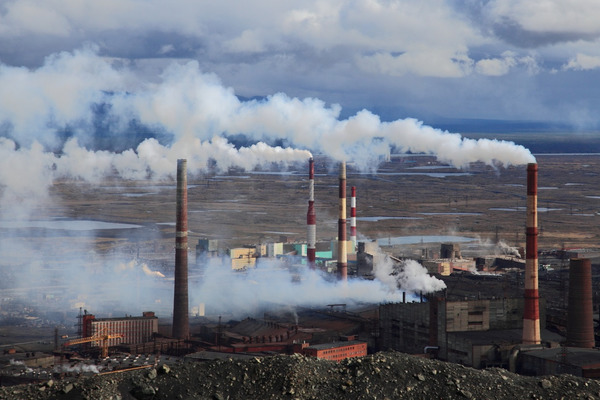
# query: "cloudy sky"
428, 59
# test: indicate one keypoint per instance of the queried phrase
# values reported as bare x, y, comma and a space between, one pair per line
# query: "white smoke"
413, 277
77, 368
38, 106
49, 128
408, 275
134, 265
247, 293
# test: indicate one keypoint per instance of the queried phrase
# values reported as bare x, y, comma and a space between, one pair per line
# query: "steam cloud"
78, 103
85, 117
225, 291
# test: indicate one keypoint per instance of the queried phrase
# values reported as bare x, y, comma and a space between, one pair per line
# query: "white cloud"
250, 41
400, 55
550, 15
424, 64
583, 62
32, 17
503, 65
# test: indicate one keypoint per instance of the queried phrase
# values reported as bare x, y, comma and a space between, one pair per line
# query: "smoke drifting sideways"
273, 285
84, 117
81, 106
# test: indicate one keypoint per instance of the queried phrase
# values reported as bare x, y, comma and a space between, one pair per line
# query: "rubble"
385, 375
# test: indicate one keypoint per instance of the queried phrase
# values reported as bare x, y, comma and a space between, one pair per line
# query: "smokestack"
531, 311
580, 323
181, 327
342, 264
353, 217
311, 216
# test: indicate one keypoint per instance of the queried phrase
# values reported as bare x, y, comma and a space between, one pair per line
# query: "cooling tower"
580, 323
181, 328
531, 311
342, 264
311, 217
353, 217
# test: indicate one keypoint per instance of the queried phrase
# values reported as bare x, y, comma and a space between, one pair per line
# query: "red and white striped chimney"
531, 311
181, 327
311, 216
342, 264
353, 217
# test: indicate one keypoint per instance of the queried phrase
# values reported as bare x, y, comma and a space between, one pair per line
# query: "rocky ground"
380, 376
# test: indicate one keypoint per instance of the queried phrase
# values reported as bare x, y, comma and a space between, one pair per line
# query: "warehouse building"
135, 330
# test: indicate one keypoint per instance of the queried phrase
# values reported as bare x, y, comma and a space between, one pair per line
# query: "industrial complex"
483, 305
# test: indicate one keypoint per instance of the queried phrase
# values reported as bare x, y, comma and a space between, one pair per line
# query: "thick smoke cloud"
78, 99
272, 285
54, 109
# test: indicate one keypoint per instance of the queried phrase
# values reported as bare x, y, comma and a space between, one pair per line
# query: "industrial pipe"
353, 217
342, 264
311, 216
531, 310
181, 328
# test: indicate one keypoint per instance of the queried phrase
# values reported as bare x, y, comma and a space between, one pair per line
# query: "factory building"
446, 266
207, 248
135, 330
364, 258
242, 257
476, 333
561, 360
337, 351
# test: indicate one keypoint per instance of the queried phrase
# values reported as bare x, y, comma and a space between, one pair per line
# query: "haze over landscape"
141, 84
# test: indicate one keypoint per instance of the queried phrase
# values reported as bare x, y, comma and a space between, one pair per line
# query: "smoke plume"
272, 283
87, 113
81, 116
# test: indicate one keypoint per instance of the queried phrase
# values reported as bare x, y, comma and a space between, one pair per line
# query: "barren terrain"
426, 198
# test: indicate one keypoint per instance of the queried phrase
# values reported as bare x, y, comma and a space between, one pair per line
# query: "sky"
90, 89
433, 60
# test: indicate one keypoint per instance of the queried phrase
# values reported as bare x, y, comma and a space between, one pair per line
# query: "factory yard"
94, 241
383, 375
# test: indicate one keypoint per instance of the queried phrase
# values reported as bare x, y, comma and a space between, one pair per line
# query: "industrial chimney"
342, 264
181, 328
580, 322
311, 217
531, 310
353, 217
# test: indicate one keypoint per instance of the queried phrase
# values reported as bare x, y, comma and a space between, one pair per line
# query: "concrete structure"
342, 263
580, 323
207, 248
450, 250
181, 326
274, 249
364, 258
242, 257
353, 217
531, 313
337, 351
446, 266
335, 244
476, 333
561, 360
135, 330
311, 216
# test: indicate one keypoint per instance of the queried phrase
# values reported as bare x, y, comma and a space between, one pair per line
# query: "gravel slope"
380, 376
